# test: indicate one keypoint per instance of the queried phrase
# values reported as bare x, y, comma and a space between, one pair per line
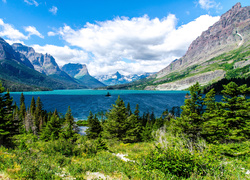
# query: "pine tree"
32, 105
38, 113
190, 121
137, 112
52, 129
159, 122
133, 129
94, 127
68, 131
146, 134
115, 126
22, 110
128, 110
213, 128
7, 125
235, 110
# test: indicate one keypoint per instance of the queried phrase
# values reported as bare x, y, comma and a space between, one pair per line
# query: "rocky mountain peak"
20, 47
7, 52
75, 70
227, 34
43, 63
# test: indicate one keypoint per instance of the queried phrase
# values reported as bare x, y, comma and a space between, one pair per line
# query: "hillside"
44, 63
220, 52
17, 73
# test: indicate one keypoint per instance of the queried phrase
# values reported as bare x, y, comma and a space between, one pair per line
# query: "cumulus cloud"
31, 2
32, 31
53, 10
14, 41
7, 30
149, 44
63, 54
207, 4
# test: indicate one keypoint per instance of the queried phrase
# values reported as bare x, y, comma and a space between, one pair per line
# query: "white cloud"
63, 54
207, 4
32, 31
53, 10
149, 44
8, 31
4, 1
51, 33
14, 41
31, 2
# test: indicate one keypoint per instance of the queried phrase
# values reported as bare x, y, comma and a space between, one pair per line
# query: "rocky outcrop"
7, 52
80, 72
43, 63
75, 70
203, 79
222, 37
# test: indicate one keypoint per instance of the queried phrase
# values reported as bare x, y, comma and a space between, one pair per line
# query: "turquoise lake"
83, 101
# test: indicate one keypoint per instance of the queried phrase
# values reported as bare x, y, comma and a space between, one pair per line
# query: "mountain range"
23, 69
221, 52
117, 78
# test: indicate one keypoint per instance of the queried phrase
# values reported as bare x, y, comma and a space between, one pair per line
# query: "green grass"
34, 159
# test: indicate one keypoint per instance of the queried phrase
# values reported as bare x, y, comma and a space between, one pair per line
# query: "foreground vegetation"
207, 140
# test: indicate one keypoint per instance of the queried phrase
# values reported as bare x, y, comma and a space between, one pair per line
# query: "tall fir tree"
94, 126
213, 127
52, 129
8, 127
128, 110
191, 120
133, 129
22, 110
137, 111
38, 113
68, 130
115, 126
32, 105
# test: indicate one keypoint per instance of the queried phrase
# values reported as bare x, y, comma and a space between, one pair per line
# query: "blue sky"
110, 35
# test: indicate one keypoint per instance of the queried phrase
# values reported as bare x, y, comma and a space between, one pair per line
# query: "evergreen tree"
146, 134
133, 129
115, 126
52, 129
7, 125
22, 110
68, 131
94, 127
235, 109
137, 112
32, 105
213, 128
159, 122
190, 121
38, 113
128, 110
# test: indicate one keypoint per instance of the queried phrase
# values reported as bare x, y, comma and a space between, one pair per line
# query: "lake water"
83, 101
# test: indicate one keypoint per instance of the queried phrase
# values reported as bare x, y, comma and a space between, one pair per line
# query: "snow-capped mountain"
118, 78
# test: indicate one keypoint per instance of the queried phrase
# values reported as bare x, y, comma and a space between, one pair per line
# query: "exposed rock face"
7, 52
75, 70
227, 34
43, 63
187, 82
80, 72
